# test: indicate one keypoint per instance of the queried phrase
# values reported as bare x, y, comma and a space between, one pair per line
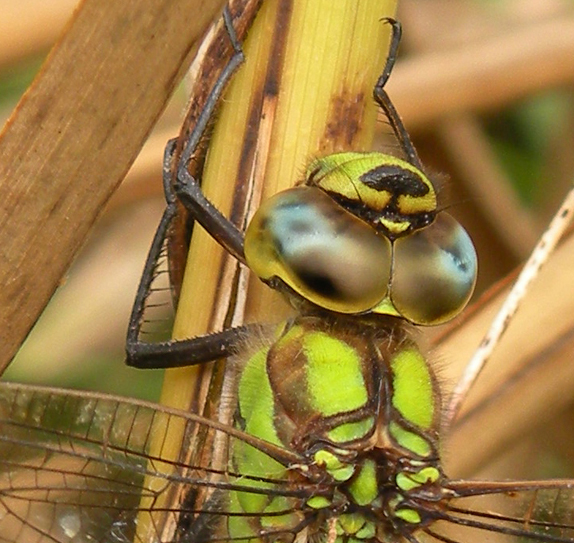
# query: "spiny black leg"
205, 213
397, 32
382, 98
170, 354
187, 352
187, 187
209, 347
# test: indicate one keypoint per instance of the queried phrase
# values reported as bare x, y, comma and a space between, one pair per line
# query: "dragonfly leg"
187, 190
171, 353
205, 213
187, 187
186, 352
382, 98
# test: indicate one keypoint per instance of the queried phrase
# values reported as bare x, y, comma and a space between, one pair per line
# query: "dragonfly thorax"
360, 404
364, 236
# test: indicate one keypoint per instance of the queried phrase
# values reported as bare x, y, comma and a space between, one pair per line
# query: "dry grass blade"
75, 134
283, 122
187, 388
278, 111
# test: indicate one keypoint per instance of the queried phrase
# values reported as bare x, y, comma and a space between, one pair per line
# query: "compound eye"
434, 272
320, 250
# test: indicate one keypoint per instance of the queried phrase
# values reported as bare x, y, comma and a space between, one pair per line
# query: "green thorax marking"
413, 394
385, 191
414, 397
255, 406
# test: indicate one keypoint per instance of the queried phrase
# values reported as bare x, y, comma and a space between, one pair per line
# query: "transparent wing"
79, 467
506, 512
76, 467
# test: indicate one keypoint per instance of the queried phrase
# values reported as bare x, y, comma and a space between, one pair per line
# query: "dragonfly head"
361, 236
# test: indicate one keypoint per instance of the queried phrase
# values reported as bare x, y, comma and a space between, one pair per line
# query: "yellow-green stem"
333, 54
305, 90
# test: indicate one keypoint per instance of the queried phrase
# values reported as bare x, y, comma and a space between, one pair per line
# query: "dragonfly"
335, 425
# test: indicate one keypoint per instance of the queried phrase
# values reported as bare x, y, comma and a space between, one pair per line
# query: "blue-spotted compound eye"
320, 250
336, 261
434, 272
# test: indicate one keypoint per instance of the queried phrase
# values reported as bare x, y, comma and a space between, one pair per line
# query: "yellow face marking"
353, 176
